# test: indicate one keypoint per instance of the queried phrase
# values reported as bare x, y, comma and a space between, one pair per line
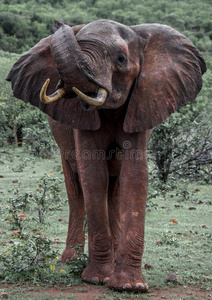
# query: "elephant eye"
121, 59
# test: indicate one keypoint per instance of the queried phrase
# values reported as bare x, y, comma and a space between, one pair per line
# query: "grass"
182, 248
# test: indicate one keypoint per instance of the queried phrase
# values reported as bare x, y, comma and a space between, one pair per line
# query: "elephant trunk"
75, 69
70, 60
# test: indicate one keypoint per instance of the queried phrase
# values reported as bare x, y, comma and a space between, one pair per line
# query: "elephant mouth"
89, 99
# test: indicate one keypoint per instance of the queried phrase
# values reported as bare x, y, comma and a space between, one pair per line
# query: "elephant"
104, 87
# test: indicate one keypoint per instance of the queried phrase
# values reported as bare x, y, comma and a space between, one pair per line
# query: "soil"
91, 292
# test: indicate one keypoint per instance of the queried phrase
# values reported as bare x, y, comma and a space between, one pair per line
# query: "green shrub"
43, 200
26, 253
47, 197
78, 263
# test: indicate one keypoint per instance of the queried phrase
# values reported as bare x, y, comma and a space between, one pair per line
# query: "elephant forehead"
112, 44
106, 29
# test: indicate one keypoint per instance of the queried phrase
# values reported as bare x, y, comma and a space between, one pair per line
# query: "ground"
92, 292
178, 239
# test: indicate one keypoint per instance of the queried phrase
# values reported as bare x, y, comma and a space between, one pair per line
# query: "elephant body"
127, 80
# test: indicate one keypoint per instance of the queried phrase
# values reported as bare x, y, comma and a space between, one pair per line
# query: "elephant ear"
28, 76
170, 75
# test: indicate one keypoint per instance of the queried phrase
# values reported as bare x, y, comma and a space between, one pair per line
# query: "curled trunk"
70, 60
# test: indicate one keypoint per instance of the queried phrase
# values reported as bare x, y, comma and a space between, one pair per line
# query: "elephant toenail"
95, 280
139, 285
127, 286
105, 280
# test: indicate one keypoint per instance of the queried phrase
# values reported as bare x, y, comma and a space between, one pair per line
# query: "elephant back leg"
94, 179
75, 235
64, 138
114, 210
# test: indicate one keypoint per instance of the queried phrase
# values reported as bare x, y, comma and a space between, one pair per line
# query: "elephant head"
151, 69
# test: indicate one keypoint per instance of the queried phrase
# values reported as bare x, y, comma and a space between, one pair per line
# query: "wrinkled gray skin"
147, 71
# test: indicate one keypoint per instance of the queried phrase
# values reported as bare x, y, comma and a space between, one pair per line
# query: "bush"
27, 253
23, 122
29, 250
37, 136
46, 198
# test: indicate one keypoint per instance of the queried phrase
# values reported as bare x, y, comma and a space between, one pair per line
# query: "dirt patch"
92, 292
180, 293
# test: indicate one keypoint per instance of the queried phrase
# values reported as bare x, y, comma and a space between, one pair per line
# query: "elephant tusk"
53, 97
99, 100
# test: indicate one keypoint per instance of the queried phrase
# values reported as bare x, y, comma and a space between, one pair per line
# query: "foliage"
20, 167
10, 108
22, 122
47, 197
24, 23
79, 263
14, 212
27, 253
37, 136
29, 250
168, 238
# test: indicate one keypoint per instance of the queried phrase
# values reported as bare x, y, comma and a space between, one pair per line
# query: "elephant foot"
131, 281
70, 253
97, 275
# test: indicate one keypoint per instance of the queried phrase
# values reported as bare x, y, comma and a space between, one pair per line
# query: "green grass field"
183, 249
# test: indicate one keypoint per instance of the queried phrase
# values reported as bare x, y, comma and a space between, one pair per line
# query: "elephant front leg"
101, 258
114, 211
133, 192
94, 181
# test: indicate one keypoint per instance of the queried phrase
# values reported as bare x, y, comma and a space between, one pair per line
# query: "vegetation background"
179, 150
23, 23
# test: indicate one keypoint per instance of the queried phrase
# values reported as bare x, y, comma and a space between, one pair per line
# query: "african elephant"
104, 86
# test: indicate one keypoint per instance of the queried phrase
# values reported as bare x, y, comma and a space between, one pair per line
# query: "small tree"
47, 197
